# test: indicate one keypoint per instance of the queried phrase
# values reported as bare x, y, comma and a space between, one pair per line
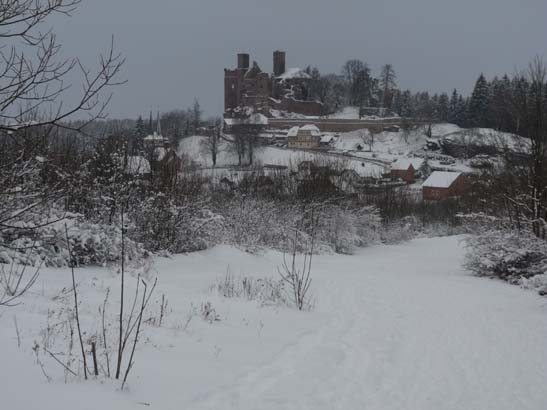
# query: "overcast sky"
177, 49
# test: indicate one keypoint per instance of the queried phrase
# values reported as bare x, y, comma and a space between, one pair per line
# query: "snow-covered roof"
138, 165
312, 129
293, 73
325, 139
155, 137
405, 163
293, 132
441, 179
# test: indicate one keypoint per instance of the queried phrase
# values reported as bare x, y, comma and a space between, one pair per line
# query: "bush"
267, 291
506, 254
160, 224
91, 243
256, 224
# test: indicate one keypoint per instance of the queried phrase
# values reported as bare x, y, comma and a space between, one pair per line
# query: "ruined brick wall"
231, 89
300, 107
331, 125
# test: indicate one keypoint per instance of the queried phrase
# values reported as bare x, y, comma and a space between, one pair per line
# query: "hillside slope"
393, 327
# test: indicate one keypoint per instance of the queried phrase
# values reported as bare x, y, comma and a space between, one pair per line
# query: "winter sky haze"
176, 50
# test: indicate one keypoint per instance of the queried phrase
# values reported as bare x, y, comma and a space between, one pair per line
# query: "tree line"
492, 104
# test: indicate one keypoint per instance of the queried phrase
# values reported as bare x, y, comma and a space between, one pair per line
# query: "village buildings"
406, 169
305, 137
443, 185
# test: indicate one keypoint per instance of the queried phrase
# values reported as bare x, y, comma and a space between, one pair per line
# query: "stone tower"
278, 63
243, 61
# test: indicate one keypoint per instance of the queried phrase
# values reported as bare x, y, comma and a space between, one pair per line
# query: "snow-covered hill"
270, 155
394, 327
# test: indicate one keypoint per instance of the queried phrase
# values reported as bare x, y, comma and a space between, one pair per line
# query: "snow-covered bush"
344, 228
268, 291
160, 224
254, 224
506, 254
410, 227
91, 243
538, 282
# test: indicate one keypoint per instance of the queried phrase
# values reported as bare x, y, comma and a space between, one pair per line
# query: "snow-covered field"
269, 155
394, 327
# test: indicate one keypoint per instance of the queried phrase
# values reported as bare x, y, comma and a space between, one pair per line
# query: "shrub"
506, 254
92, 244
160, 224
267, 291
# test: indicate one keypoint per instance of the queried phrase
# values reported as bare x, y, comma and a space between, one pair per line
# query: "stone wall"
332, 125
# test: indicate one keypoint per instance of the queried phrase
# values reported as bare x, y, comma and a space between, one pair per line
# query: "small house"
327, 140
305, 137
443, 185
405, 169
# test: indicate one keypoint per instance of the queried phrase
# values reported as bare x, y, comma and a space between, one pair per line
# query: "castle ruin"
284, 90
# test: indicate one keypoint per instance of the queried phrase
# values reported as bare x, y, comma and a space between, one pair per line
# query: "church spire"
158, 125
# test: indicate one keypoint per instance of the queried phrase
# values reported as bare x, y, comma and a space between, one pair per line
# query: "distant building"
156, 139
305, 137
443, 185
327, 140
161, 155
283, 90
405, 169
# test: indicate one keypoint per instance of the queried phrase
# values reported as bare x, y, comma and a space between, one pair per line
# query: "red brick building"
443, 185
404, 169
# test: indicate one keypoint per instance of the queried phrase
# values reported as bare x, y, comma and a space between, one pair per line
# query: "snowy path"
407, 331
395, 327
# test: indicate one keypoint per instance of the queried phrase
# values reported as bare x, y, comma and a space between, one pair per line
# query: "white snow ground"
394, 327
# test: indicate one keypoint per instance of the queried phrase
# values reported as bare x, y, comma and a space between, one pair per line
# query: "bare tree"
387, 84
368, 136
211, 144
32, 74
245, 133
33, 85
15, 281
297, 274
531, 114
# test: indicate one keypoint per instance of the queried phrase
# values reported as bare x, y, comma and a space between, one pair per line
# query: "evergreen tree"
139, 135
500, 95
397, 103
150, 124
519, 102
478, 104
453, 111
442, 107
196, 115
407, 106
